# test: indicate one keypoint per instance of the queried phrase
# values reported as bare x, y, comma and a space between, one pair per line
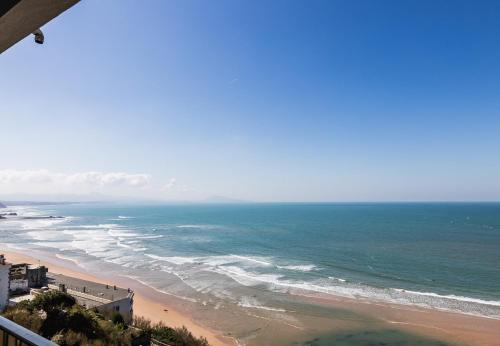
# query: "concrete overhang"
20, 18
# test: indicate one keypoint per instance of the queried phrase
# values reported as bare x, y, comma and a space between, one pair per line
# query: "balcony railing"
12, 334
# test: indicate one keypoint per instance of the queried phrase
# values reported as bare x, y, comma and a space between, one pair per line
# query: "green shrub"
58, 339
52, 300
117, 318
81, 321
71, 338
25, 318
185, 338
173, 336
142, 323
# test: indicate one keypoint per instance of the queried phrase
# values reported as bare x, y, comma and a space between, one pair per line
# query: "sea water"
439, 255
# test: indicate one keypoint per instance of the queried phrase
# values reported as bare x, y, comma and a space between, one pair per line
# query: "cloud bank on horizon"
43, 181
43, 176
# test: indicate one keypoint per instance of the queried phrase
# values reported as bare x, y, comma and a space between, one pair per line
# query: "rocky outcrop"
41, 217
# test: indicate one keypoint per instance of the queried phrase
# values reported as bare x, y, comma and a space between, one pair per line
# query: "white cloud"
171, 183
9, 176
109, 179
27, 178
43, 182
173, 186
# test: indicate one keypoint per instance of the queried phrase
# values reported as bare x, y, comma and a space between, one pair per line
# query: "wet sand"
449, 327
323, 321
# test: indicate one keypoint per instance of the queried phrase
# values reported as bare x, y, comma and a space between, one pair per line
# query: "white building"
104, 298
4, 282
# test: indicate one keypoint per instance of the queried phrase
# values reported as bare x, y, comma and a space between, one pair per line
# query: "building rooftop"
20, 298
28, 265
89, 289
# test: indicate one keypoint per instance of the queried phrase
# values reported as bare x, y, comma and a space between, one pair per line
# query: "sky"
257, 101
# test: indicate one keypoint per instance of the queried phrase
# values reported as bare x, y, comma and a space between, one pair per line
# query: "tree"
52, 300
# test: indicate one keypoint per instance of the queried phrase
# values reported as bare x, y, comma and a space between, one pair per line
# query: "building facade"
4, 282
24, 276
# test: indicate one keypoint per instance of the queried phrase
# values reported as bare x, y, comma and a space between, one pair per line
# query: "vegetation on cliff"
170, 336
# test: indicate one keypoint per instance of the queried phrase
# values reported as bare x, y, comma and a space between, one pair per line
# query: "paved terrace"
88, 292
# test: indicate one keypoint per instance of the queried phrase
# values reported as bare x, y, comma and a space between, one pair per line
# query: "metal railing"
13, 334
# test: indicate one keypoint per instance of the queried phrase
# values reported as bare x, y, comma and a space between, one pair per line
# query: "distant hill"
2, 205
222, 199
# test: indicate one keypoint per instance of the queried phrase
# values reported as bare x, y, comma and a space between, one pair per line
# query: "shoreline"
452, 327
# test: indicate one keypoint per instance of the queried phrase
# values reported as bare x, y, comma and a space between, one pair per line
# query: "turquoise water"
440, 255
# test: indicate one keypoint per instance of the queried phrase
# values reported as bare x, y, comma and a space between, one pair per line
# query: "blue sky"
257, 100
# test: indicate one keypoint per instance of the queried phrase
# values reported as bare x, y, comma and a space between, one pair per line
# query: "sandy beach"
446, 327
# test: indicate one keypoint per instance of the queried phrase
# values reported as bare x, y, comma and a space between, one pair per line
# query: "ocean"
439, 255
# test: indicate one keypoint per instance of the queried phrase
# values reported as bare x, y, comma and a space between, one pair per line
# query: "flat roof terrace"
89, 290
